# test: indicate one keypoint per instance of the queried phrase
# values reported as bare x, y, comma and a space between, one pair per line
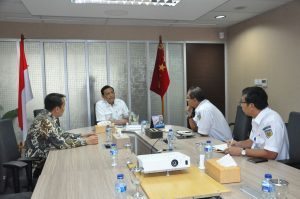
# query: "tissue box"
222, 174
102, 128
120, 141
153, 133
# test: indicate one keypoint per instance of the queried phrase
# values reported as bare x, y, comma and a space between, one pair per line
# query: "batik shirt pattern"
45, 134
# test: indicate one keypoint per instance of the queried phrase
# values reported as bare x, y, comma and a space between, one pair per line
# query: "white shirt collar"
261, 115
201, 103
108, 104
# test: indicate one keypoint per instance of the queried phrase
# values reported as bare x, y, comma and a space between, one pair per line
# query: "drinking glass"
136, 182
128, 153
199, 147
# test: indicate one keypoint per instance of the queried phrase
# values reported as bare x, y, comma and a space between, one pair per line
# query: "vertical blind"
79, 69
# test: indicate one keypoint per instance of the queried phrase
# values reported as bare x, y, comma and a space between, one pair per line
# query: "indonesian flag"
160, 78
25, 93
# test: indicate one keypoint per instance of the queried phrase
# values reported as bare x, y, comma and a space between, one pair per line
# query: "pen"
230, 143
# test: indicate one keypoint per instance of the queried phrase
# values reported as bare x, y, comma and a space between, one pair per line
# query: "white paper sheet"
220, 147
227, 161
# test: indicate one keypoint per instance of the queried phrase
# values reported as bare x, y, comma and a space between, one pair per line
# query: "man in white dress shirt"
110, 108
268, 137
208, 119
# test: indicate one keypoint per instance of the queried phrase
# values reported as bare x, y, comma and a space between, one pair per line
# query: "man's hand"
189, 111
233, 150
92, 139
232, 143
120, 122
87, 134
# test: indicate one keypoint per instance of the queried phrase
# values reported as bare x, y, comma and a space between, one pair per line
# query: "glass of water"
136, 182
128, 153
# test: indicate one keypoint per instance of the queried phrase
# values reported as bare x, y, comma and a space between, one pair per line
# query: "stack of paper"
133, 127
220, 147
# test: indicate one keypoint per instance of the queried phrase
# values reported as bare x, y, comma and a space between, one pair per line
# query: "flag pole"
162, 106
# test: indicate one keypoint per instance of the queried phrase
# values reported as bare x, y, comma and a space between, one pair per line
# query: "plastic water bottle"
108, 134
114, 153
143, 125
208, 150
120, 187
267, 187
170, 139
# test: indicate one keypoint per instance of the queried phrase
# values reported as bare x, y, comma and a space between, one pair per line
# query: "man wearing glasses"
268, 137
208, 119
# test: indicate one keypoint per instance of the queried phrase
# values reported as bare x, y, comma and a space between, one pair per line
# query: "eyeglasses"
241, 102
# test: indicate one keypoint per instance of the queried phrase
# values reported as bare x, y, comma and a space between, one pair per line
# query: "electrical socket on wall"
261, 83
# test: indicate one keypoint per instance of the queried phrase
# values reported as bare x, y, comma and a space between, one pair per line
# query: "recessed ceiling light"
220, 17
131, 2
240, 8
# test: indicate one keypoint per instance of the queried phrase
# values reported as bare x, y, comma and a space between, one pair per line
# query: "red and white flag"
25, 93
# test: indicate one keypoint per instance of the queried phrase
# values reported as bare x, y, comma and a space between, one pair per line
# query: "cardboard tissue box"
101, 127
120, 140
223, 174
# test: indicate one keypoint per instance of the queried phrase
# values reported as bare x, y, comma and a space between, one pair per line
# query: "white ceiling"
189, 13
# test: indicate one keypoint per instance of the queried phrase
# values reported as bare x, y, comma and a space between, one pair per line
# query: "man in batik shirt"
45, 134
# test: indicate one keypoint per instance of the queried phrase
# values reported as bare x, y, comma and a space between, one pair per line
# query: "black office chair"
23, 195
37, 111
293, 129
242, 125
10, 162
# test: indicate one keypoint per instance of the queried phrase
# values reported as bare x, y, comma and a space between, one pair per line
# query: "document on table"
220, 147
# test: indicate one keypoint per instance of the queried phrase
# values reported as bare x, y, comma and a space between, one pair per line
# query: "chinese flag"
160, 78
25, 93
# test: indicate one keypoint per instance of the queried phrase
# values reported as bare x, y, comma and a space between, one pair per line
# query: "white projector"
161, 162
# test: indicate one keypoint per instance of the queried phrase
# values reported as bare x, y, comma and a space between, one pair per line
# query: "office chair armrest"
291, 162
28, 159
14, 164
15, 167
231, 124
284, 161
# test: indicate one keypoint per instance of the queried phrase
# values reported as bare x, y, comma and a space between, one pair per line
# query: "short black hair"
196, 92
53, 100
106, 87
257, 96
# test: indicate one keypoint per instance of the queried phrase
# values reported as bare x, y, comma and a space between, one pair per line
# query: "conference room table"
86, 172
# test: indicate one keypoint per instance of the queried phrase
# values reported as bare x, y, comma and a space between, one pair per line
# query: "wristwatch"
243, 152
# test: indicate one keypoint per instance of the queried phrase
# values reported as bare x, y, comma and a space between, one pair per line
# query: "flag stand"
162, 106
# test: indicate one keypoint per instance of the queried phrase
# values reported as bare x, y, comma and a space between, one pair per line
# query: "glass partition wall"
79, 69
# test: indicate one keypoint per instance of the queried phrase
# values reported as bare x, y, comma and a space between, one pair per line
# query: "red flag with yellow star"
160, 78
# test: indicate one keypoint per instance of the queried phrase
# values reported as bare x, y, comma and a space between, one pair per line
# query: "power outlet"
261, 83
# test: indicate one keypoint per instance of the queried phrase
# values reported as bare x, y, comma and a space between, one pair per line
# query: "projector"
161, 162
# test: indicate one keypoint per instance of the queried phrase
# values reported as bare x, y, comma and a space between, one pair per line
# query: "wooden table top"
86, 172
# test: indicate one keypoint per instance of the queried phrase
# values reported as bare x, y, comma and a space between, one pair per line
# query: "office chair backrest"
9, 146
293, 129
2, 172
36, 112
242, 126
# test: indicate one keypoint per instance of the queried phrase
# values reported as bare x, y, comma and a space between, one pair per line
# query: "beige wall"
267, 46
94, 32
